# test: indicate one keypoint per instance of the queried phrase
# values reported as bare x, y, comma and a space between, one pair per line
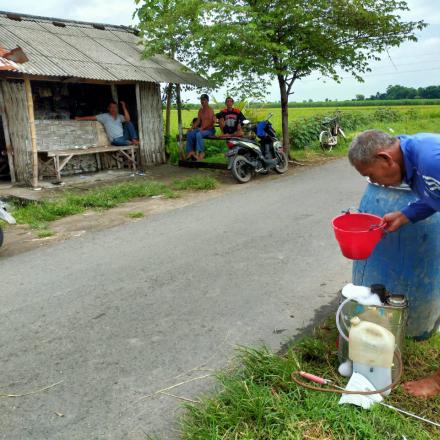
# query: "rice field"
422, 112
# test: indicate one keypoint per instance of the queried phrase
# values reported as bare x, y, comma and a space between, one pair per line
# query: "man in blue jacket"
415, 160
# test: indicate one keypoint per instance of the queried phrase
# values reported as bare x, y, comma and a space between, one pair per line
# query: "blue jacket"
421, 155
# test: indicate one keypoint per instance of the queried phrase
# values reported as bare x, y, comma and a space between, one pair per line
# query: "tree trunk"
284, 113
168, 114
179, 120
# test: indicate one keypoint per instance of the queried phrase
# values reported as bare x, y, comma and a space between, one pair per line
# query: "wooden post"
9, 149
179, 121
140, 128
168, 114
114, 92
30, 107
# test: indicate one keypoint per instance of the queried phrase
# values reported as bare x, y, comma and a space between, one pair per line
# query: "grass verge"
37, 214
136, 214
257, 400
45, 233
198, 183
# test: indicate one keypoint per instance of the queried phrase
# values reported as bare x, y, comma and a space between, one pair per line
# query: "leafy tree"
400, 92
167, 27
287, 40
360, 97
430, 92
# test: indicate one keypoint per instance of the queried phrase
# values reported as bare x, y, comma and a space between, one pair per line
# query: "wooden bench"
56, 151
60, 158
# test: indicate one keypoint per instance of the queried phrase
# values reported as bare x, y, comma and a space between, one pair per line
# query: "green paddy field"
426, 113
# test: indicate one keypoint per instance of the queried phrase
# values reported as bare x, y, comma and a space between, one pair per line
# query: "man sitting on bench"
230, 120
120, 130
202, 128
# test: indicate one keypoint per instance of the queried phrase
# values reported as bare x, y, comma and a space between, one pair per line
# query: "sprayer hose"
398, 356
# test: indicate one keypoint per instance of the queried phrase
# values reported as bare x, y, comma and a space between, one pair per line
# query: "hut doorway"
127, 93
5, 173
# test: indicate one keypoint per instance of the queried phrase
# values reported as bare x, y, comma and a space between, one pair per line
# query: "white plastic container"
371, 349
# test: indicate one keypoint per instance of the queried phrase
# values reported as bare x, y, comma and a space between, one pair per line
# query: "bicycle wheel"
327, 140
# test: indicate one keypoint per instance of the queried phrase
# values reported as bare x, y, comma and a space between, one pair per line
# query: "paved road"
124, 312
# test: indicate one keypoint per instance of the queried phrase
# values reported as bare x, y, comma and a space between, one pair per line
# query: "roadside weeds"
256, 399
38, 214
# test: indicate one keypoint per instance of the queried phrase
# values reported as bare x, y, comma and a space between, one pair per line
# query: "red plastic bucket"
357, 234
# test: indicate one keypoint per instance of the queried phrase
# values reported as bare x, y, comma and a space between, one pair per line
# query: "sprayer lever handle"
313, 378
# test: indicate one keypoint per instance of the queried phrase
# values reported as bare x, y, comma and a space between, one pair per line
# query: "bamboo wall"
14, 95
152, 149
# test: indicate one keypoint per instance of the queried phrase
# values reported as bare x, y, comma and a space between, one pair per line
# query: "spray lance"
340, 390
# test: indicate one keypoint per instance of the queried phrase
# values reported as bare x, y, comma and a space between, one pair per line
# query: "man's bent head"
377, 155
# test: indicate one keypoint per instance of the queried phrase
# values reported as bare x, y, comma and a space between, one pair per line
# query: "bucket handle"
348, 210
380, 226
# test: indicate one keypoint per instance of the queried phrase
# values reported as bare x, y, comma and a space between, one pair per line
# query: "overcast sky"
412, 64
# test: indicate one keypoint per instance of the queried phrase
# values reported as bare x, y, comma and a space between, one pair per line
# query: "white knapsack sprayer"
373, 351
371, 306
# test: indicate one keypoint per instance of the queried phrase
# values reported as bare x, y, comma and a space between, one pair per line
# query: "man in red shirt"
230, 119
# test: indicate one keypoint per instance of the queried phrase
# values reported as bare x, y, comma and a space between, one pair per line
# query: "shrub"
305, 132
386, 114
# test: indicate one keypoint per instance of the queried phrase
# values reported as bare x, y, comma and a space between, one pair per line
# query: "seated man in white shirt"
120, 130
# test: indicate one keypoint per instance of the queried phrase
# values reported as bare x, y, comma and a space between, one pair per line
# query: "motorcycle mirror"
269, 116
246, 122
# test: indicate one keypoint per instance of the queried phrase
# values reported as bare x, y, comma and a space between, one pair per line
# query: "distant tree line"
392, 93
402, 92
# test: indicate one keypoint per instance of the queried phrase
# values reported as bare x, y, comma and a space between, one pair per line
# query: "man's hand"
125, 110
394, 220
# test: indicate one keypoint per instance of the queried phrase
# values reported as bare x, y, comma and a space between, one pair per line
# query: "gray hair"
367, 144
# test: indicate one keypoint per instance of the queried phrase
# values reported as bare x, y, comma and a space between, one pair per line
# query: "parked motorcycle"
247, 157
5, 216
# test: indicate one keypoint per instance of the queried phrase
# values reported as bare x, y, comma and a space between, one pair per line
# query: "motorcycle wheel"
1, 237
241, 170
283, 162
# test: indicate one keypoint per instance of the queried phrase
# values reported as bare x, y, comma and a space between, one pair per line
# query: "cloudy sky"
412, 64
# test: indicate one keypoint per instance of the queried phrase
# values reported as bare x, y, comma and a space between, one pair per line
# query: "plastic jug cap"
355, 321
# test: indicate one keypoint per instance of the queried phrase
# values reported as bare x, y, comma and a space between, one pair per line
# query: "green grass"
45, 233
136, 214
256, 399
37, 214
198, 183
